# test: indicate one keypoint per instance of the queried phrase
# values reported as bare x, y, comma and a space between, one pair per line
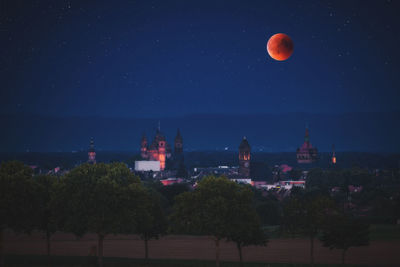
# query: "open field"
285, 250
74, 261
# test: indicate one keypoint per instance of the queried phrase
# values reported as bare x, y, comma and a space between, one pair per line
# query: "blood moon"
280, 46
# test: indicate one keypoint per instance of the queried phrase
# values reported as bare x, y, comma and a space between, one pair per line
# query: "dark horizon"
265, 132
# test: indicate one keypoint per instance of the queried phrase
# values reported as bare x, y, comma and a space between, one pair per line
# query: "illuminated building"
91, 153
159, 149
307, 153
244, 158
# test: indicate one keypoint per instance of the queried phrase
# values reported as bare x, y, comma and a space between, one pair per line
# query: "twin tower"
160, 150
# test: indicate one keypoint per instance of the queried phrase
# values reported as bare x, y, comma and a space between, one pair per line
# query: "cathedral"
160, 150
307, 153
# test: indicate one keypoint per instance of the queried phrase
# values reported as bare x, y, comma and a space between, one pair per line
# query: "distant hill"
369, 132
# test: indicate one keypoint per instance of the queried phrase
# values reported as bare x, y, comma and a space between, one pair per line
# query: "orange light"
334, 160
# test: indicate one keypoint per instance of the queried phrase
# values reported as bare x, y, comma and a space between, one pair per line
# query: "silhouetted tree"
343, 232
212, 209
150, 219
245, 228
17, 200
100, 198
292, 215
306, 213
46, 221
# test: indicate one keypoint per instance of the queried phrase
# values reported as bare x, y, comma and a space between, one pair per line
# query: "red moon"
280, 46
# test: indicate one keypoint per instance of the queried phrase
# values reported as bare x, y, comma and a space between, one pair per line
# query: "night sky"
172, 58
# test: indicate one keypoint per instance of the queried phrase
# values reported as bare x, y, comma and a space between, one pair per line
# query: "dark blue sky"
169, 58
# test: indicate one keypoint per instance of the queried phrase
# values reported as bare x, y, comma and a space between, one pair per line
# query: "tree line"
107, 199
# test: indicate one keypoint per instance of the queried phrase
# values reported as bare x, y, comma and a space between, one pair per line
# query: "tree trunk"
48, 235
312, 250
240, 254
217, 252
343, 255
1, 248
100, 257
146, 249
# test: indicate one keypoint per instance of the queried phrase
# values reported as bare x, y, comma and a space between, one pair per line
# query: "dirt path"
382, 253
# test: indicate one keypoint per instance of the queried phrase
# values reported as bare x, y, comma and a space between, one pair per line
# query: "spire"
144, 139
333, 154
178, 135
244, 145
178, 143
91, 152
91, 146
307, 136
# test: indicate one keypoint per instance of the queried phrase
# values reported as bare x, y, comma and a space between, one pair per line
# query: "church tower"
143, 147
333, 160
306, 153
178, 143
244, 158
161, 142
91, 153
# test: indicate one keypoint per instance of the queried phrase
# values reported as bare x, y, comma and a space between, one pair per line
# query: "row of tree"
108, 199
102, 199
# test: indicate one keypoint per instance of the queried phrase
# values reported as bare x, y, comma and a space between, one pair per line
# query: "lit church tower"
333, 155
158, 150
244, 158
91, 153
161, 150
306, 153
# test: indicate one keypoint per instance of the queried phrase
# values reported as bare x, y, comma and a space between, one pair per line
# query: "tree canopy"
100, 198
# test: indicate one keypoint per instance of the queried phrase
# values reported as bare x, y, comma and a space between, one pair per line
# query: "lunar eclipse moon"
280, 46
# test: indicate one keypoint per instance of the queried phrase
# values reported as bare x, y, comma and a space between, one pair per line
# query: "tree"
100, 198
292, 214
268, 208
245, 229
306, 213
17, 200
212, 209
316, 208
150, 219
46, 221
343, 232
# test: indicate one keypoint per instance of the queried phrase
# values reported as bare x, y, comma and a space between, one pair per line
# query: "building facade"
160, 150
307, 153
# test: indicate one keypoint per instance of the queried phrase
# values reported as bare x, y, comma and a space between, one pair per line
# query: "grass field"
39, 261
377, 232
181, 250
385, 232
